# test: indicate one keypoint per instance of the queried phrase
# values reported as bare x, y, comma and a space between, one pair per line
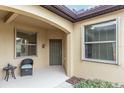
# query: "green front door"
55, 51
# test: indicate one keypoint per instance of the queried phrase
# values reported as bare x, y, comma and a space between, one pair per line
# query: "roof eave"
64, 12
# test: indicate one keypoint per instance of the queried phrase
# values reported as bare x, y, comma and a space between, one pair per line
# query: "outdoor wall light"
43, 45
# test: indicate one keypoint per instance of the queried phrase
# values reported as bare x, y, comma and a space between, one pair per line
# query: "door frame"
61, 50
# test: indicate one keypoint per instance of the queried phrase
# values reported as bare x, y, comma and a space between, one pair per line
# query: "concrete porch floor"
45, 78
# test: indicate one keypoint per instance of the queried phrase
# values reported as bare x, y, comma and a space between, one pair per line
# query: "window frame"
83, 43
22, 30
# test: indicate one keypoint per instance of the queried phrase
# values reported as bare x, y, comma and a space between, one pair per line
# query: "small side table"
9, 70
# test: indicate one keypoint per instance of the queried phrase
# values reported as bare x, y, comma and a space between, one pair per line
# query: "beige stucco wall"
92, 70
7, 45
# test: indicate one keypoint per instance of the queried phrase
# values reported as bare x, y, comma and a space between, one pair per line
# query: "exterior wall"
92, 70
7, 45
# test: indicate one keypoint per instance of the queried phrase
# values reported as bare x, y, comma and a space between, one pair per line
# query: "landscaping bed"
86, 83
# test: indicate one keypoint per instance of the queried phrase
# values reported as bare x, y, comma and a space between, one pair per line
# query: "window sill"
100, 61
23, 57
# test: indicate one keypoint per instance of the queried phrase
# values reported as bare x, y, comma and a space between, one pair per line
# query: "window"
100, 41
26, 43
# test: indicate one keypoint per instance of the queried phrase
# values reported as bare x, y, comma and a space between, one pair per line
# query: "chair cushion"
26, 66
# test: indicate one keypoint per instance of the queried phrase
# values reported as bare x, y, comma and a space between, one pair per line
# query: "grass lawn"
96, 84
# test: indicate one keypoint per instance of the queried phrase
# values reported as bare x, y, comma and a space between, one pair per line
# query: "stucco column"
69, 55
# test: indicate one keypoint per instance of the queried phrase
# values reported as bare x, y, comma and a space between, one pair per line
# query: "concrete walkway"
51, 77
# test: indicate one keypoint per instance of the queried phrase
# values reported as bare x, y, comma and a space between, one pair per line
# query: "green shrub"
95, 84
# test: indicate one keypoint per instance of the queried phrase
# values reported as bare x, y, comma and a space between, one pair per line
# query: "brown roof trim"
61, 11
66, 13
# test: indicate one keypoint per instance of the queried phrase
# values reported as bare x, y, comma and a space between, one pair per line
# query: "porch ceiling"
34, 22
39, 13
8, 17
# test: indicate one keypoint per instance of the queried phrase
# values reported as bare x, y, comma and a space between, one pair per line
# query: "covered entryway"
27, 22
55, 51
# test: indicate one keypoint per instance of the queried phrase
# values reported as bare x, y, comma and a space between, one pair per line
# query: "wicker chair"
26, 67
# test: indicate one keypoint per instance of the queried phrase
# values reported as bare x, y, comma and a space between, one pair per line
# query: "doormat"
73, 80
